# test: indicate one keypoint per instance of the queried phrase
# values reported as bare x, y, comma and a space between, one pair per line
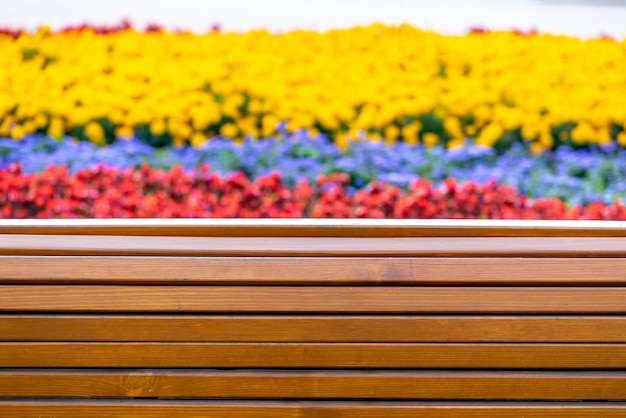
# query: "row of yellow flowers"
387, 83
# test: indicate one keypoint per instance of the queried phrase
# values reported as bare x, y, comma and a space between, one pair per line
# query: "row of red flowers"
146, 192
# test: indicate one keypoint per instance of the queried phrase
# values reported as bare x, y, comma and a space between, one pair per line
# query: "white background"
578, 18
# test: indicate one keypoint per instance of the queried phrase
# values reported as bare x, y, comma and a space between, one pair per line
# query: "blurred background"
571, 17
400, 108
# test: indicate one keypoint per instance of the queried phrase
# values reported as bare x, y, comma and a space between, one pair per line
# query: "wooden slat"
287, 409
548, 247
263, 328
311, 270
541, 300
409, 385
314, 355
313, 227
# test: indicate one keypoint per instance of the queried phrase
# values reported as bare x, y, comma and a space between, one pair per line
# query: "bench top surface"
315, 227
335, 317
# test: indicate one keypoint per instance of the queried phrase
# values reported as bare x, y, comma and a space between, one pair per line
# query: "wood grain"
294, 328
312, 270
313, 227
299, 409
314, 355
409, 385
96, 298
547, 247
467, 311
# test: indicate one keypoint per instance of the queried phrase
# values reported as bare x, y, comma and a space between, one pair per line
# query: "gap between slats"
306, 409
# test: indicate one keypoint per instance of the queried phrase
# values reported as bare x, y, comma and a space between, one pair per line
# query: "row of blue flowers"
575, 176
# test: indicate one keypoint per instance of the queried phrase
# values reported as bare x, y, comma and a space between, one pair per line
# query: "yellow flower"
489, 135
29, 127
604, 137
203, 116
40, 120
546, 139
181, 130
455, 143
178, 141
157, 127
56, 128
116, 116
268, 125
452, 125
529, 132
482, 113
5, 127
391, 134
342, 142
336, 79
17, 132
78, 116
231, 106
410, 132
537, 148
255, 107
582, 133
229, 130
124, 132
430, 139
44, 30
94, 132
375, 137
198, 139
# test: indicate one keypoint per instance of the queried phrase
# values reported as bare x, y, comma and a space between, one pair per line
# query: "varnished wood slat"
541, 300
313, 227
298, 409
314, 355
263, 328
410, 385
312, 270
547, 247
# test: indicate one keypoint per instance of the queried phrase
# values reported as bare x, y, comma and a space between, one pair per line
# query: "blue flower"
577, 176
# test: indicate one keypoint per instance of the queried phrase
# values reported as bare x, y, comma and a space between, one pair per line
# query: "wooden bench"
304, 318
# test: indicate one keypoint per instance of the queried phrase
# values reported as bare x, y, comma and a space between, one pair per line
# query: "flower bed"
574, 176
146, 192
371, 121
390, 83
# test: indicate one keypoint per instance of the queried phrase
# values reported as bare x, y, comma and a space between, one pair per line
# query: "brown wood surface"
548, 247
299, 409
543, 300
409, 385
314, 355
324, 328
314, 227
311, 270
